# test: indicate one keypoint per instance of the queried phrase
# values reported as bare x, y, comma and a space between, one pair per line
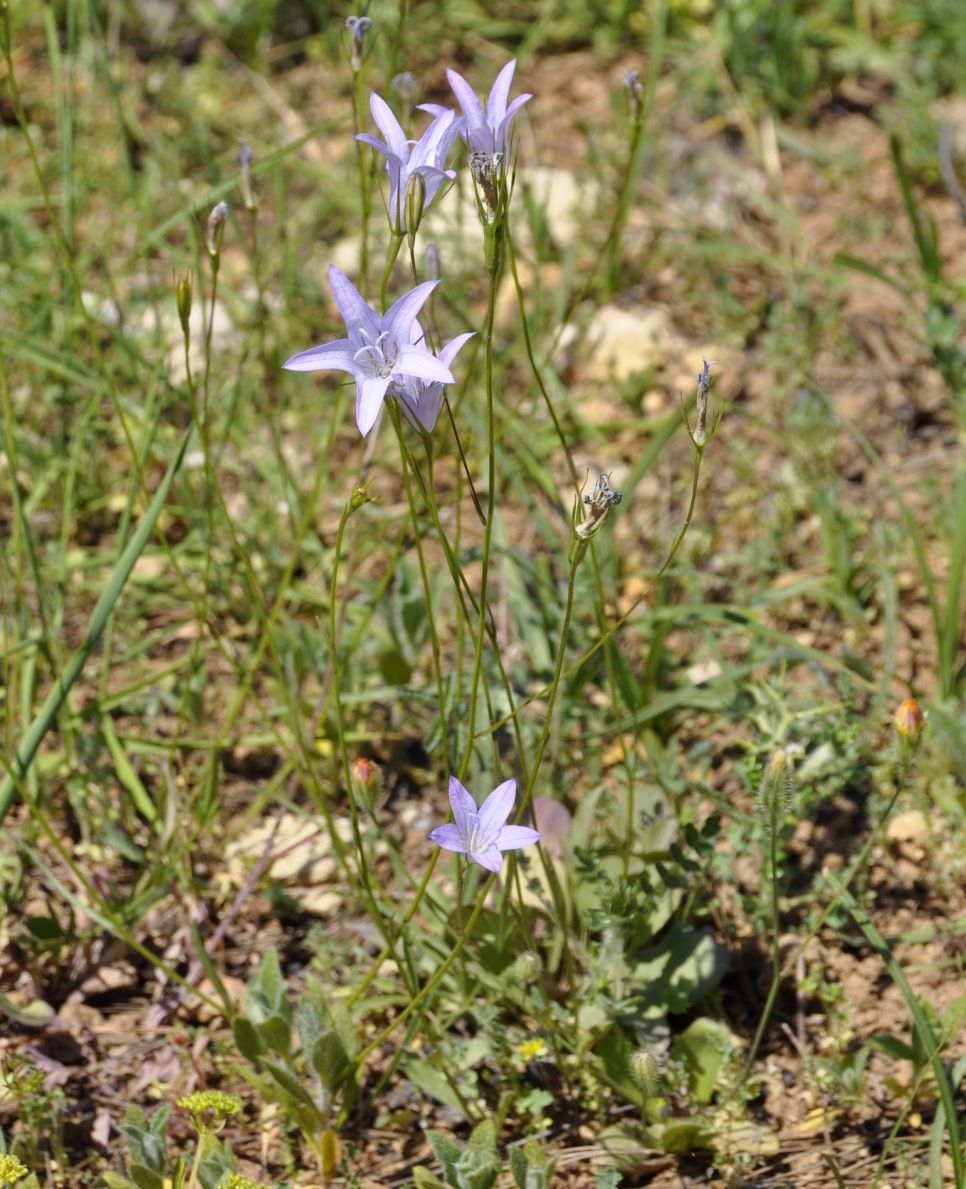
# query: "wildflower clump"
210, 1109
11, 1169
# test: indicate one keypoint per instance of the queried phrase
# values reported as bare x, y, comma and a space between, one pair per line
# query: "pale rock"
621, 343
910, 826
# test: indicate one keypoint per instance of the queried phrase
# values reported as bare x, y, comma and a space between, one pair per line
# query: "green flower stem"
365, 179
598, 576
435, 979
365, 878
424, 575
622, 619
494, 242
776, 961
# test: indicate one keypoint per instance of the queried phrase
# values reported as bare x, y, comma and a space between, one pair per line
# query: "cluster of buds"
210, 1110
11, 1169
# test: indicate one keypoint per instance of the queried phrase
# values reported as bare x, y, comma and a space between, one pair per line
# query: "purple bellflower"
485, 129
481, 833
422, 402
426, 156
379, 349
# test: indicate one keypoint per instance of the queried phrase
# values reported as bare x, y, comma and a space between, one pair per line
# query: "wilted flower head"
215, 231
358, 27
379, 350
422, 402
599, 503
249, 200
404, 158
486, 128
480, 832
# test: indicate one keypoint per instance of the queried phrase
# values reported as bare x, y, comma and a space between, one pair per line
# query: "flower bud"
910, 720
360, 495
215, 231
183, 297
249, 201
210, 1110
415, 202
645, 1072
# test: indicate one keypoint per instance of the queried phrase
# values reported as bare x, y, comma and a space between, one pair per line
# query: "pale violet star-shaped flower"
426, 156
485, 129
422, 402
481, 833
379, 350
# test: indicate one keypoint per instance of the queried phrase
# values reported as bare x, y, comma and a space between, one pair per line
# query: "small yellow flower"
532, 1049
11, 1170
210, 1109
235, 1180
910, 719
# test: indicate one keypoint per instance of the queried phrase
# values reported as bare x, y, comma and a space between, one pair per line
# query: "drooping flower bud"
215, 231
405, 87
701, 402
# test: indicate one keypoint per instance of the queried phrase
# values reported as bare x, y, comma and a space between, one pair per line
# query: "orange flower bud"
910, 719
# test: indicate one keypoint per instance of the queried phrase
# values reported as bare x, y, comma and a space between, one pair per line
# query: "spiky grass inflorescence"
776, 792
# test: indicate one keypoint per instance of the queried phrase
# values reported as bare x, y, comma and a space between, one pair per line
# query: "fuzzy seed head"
645, 1072
775, 790
527, 968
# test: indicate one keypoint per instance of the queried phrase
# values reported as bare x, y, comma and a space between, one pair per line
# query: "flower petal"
452, 349
417, 361
369, 394
499, 93
338, 356
352, 307
496, 808
513, 837
504, 126
448, 837
463, 806
389, 126
490, 858
400, 314
466, 97
379, 146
